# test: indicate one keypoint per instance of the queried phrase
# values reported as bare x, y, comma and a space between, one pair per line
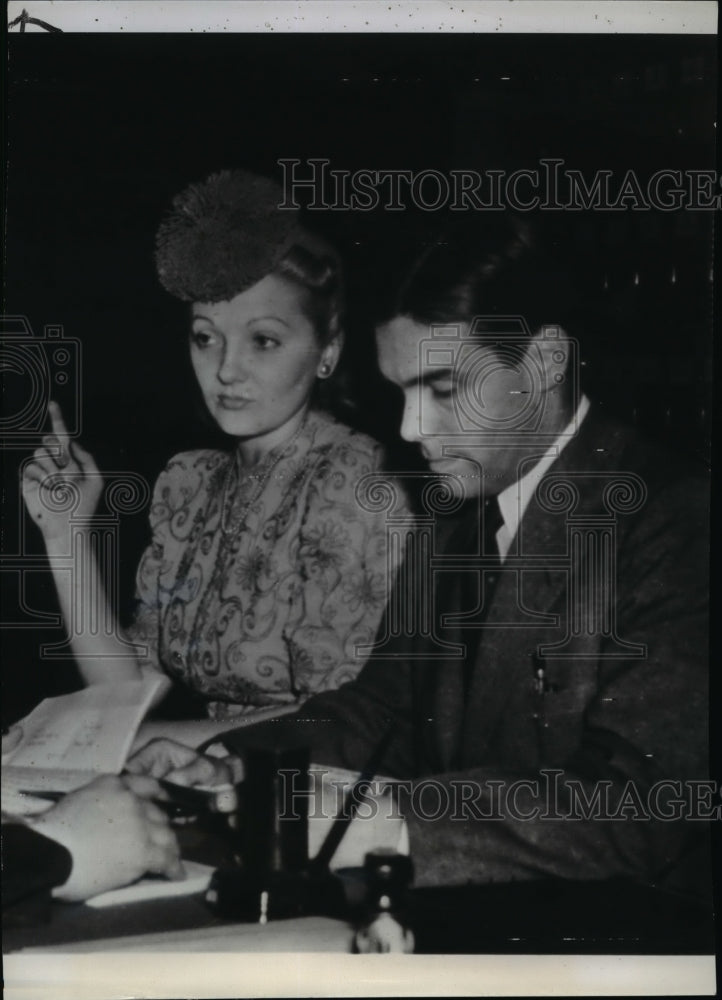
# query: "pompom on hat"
225, 234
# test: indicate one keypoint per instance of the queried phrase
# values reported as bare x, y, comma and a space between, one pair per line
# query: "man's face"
439, 396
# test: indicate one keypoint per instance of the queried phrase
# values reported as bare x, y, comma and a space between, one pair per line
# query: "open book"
68, 741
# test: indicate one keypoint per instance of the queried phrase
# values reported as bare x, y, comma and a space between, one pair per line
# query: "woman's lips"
233, 402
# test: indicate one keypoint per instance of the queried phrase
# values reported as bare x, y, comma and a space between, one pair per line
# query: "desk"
188, 927
604, 918
179, 923
504, 940
550, 917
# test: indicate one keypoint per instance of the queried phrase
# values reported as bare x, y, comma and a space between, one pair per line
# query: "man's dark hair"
483, 264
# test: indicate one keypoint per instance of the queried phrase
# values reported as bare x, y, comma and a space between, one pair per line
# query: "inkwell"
274, 879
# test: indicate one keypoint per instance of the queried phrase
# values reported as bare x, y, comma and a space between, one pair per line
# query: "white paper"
67, 741
89, 730
197, 878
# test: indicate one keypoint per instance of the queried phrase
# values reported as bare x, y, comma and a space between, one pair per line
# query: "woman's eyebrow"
262, 319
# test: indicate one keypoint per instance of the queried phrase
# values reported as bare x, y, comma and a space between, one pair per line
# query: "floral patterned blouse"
260, 582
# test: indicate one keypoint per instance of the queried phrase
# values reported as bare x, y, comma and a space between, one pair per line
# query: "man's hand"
58, 466
164, 758
114, 836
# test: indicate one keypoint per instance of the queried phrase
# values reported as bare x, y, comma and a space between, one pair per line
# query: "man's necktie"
481, 585
492, 521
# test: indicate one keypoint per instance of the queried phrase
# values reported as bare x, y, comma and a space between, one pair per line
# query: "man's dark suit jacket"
603, 718
32, 866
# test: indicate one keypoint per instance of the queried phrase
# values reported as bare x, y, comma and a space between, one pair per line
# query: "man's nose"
411, 420
234, 365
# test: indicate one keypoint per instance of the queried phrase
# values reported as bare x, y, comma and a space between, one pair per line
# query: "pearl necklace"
232, 521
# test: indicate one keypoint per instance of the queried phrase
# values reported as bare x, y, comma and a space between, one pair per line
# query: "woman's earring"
325, 370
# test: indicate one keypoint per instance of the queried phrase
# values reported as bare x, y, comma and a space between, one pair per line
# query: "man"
551, 720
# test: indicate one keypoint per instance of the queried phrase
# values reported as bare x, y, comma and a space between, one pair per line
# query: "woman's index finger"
56, 419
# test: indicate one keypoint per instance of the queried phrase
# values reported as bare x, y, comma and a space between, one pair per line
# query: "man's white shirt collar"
514, 500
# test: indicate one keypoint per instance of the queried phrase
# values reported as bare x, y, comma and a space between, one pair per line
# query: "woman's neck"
253, 450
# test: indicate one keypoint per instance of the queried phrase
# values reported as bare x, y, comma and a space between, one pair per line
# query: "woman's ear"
330, 355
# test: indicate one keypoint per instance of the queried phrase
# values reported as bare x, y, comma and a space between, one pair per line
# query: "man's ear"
552, 348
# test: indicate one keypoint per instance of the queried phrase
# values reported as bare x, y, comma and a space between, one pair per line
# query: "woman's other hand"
114, 836
60, 466
164, 758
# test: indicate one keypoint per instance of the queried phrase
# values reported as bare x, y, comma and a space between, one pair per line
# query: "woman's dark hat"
224, 235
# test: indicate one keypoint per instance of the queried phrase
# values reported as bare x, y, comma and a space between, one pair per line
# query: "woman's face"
256, 358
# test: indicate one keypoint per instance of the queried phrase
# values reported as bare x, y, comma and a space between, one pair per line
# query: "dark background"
104, 129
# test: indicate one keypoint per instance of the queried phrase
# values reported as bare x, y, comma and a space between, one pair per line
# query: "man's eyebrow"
437, 375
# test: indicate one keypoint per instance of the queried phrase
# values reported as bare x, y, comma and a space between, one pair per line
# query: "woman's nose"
234, 365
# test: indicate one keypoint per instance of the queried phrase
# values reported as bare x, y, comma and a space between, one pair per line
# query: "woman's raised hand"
61, 479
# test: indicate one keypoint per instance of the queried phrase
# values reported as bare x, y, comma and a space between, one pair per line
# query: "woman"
264, 573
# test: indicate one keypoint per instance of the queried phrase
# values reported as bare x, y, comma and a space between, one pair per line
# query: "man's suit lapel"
525, 608
511, 627
521, 616
447, 704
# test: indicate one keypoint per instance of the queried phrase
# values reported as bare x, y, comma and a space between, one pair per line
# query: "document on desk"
67, 741
336, 795
197, 878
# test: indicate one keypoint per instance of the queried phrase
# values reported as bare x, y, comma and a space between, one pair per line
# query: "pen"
48, 796
351, 803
